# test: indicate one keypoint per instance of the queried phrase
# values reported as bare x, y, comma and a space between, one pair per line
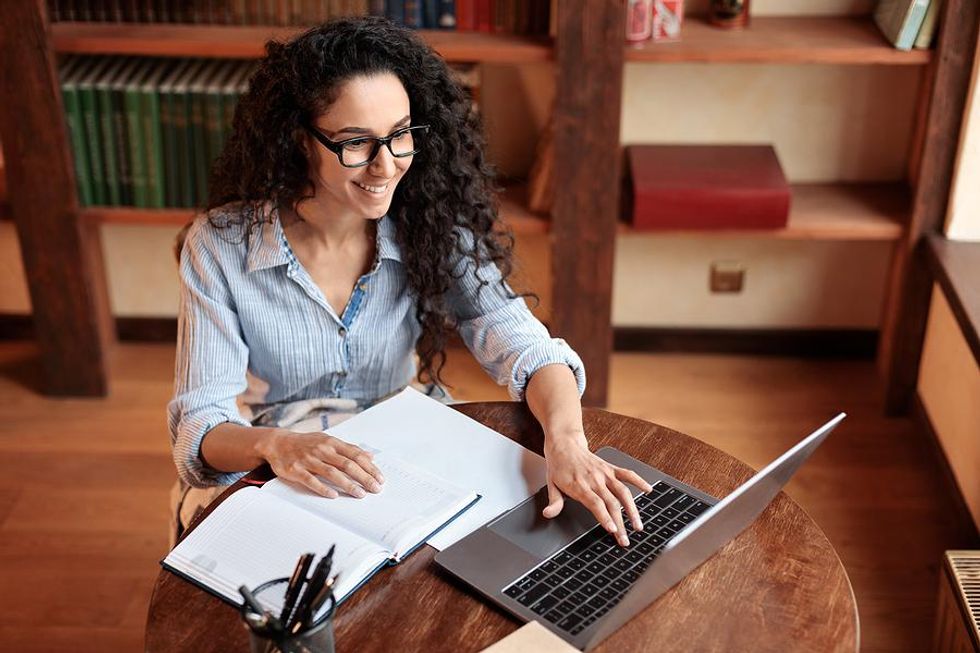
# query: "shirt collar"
387, 240
269, 249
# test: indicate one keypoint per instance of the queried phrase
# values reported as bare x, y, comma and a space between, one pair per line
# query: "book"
152, 133
120, 131
929, 23
171, 161
257, 534
706, 187
70, 74
900, 20
137, 143
103, 94
93, 136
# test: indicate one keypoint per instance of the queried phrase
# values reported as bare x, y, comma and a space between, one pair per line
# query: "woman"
350, 225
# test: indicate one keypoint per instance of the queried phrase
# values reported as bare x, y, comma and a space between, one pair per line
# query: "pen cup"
317, 638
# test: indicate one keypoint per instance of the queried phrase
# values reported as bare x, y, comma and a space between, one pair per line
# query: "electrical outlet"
727, 277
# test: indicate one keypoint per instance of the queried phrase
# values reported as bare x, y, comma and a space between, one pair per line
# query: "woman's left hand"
575, 471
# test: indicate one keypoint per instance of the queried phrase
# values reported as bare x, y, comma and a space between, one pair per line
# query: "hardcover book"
900, 20
257, 534
707, 187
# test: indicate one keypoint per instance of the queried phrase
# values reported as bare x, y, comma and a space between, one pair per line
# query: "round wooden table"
779, 586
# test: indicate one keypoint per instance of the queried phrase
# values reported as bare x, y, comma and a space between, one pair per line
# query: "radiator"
958, 611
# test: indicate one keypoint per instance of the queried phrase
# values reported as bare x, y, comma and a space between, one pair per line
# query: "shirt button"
342, 331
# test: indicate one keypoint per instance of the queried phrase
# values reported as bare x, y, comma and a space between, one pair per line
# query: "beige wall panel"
963, 218
662, 281
14, 296
949, 385
141, 270
827, 123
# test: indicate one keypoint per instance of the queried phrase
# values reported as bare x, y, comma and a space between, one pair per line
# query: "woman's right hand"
305, 458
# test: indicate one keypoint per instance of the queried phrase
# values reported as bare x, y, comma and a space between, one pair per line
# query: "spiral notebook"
258, 533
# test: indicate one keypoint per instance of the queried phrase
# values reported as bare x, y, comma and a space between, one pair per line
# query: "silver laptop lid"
709, 532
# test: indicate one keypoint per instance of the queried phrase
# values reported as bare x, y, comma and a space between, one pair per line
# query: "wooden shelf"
779, 40
513, 210
248, 42
827, 212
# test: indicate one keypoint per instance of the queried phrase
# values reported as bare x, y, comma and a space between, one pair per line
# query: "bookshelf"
899, 213
248, 42
843, 211
513, 212
782, 40
589, 55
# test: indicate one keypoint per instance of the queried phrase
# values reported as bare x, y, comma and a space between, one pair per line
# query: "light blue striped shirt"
252, 318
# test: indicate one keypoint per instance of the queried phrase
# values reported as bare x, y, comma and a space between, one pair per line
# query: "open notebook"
257, 534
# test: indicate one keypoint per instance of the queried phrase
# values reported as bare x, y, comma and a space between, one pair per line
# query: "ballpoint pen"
295, 585
322, 596
313, 587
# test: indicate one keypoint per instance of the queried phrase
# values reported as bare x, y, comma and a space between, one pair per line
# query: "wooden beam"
589, 55
904, 323
62, 255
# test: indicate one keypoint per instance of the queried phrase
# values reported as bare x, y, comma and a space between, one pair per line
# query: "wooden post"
904, 325
589, 60
62, 255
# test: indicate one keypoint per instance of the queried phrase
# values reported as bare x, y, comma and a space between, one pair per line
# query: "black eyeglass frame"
337, 147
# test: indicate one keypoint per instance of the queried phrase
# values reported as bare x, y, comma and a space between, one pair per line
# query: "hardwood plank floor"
84, 483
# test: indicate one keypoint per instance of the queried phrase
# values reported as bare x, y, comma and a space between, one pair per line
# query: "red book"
484, 15
465, 15
706, 187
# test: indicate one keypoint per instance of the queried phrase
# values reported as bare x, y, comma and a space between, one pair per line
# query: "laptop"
571, 576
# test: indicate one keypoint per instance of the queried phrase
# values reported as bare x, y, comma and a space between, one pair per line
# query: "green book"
137, 144
71, 72
152, 132
120, 130
103, 94
198, 129
93, 132
182, 129
168, 130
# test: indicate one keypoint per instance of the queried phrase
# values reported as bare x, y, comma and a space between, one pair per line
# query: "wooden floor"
84, 484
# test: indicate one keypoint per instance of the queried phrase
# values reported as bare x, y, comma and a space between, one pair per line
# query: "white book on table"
258, 533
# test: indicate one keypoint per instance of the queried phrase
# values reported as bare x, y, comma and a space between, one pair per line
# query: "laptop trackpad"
525, 527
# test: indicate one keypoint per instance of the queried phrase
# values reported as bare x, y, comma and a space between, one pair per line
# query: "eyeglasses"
360, 151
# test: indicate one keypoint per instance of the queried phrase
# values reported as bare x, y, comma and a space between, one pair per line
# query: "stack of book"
908, 23
144, 132
505, 16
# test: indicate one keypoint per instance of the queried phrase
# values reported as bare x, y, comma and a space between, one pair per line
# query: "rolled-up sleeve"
501, 332
211, 364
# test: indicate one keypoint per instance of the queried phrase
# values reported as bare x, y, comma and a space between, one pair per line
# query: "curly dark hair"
448, 188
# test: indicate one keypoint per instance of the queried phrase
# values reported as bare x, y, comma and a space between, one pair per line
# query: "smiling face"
375, 105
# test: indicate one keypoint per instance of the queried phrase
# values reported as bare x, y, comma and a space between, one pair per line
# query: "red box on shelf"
706, 187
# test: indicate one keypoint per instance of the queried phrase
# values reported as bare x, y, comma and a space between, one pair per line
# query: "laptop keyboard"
582, 582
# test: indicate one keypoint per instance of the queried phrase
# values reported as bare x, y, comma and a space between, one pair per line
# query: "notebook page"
411, 505
454, 447
253, 537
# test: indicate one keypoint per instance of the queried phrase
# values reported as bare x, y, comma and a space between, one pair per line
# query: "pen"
322, 595
304, 612
295, 584
313, 587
